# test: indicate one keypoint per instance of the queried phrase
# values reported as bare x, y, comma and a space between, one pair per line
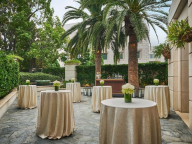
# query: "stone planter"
42, 82
70, 71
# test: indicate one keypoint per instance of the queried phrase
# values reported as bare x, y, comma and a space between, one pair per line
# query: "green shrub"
72, 61
36, 76
9, 74
147, 72
64, 84
55, 71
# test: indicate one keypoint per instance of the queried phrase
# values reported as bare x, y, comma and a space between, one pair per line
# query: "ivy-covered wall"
9, 74
147, 72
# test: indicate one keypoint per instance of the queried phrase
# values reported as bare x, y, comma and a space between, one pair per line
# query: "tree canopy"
28, 29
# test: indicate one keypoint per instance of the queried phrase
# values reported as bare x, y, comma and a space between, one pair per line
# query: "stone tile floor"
18, 126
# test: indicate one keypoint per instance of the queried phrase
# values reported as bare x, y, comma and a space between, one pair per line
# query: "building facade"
180, 64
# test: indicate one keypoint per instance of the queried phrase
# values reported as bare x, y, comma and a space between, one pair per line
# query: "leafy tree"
133, 16
45, 48
29, 30
88, 58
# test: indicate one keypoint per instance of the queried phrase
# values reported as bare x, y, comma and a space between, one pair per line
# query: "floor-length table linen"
27, 96
55, 114
100, 93
159, 94
129, 123
75, 90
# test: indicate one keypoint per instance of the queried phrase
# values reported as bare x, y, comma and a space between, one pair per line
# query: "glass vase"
156, 84
56, 88
101, 84
27, 83
128, 98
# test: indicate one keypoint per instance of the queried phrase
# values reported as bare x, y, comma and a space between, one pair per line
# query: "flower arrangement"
156, 81
73, 80
101, 82
27, 82
56, 84
127, 90
86, 85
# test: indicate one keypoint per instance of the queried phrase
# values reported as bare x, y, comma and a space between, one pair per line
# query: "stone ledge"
7, 101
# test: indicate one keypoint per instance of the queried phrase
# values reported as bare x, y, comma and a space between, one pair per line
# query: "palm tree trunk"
133, 62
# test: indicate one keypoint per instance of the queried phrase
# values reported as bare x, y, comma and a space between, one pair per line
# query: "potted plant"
166, 51
179, 33
162, 49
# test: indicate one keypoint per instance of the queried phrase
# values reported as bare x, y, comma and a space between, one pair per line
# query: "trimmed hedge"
9, 74
36, 76
58, 71
147, 72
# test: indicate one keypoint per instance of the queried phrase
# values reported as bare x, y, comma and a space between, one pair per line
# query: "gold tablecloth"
55, 114
160, 95
76, 91
27, 97
100, 93
129, 123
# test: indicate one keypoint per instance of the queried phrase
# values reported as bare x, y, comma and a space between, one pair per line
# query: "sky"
59, 10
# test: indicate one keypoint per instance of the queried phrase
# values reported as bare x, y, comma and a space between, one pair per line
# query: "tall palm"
91, 32
134, 16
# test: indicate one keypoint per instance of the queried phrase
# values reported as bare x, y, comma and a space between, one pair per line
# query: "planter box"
7, 101
43, 82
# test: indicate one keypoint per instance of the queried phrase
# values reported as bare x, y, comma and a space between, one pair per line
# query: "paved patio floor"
18, 126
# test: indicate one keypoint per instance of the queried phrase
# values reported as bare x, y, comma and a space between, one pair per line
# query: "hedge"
58, 71
9, 74
36, 76
147, 72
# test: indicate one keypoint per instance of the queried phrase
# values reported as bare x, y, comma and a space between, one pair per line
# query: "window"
121, 55
138, 54
104, 55
152, 55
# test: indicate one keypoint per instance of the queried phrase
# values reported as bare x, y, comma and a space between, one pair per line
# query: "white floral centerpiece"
156, 81
128, 90
27, 82
56, 84
101, 82
73, 80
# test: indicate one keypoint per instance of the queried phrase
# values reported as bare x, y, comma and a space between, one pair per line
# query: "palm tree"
134, 16
91, 32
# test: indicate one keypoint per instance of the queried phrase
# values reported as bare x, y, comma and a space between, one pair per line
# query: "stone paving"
18, 126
